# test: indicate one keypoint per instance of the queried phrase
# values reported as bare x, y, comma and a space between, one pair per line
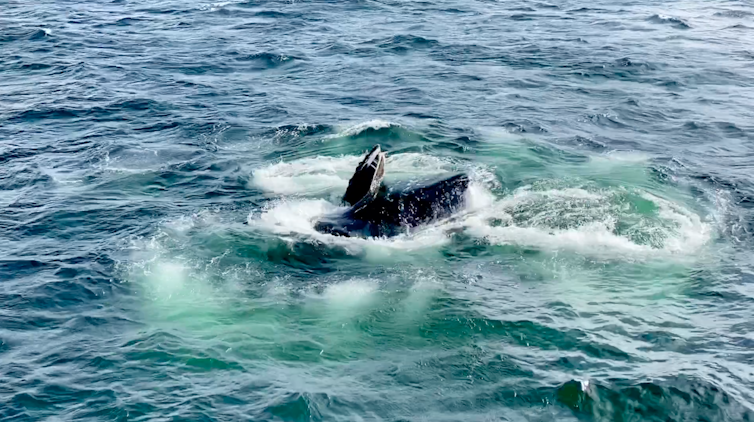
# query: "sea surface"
162, 164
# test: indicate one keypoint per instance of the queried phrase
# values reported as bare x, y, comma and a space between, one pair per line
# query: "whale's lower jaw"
339, 226
390, 215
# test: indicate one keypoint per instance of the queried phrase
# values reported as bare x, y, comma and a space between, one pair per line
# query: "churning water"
162, 164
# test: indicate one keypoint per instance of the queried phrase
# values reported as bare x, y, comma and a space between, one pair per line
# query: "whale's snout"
367, 177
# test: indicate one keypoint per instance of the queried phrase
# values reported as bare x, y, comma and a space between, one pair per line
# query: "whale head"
367, 178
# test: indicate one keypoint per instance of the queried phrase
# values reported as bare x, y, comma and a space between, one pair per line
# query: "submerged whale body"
377, 211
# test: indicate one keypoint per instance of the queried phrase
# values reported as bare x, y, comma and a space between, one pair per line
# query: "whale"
376, 210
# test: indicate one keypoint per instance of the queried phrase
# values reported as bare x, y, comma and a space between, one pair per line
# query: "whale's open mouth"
367, 178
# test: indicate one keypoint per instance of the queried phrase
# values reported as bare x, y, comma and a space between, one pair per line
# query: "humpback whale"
378, 211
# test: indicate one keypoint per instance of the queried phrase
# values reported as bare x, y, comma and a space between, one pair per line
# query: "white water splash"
680, 231
213, 7
306, 176
316, 175
350, 294
576, 219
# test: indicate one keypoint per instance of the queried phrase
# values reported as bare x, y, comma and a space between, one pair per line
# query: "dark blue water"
162, 165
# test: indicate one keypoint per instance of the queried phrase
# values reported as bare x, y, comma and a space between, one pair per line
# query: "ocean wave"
265, 60
405, 43
111, 111
740, 26
734, 14
359, 128
26, 35
677, 23
212, 7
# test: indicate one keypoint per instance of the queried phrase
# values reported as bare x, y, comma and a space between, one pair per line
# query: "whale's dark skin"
384, 213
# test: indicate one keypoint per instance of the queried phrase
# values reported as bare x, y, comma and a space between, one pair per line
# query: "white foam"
379, 249
287, 131
726, 216
180, 225
212, 7
594, 239
628, 156
350, 294
167, 279
500, 134
691, 232
419, 298
526, 192
683, 232
293, 216
479, 198
306, 176
622, 157
342, 301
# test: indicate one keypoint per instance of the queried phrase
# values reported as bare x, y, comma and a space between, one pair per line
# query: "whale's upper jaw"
367, 178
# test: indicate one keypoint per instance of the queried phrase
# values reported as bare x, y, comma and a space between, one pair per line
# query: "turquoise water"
162, 165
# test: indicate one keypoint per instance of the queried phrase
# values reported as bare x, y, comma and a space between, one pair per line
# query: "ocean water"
162, 164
